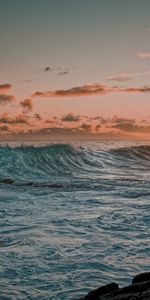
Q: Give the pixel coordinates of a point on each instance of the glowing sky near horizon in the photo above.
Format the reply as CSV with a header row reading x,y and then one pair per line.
x,y
54,45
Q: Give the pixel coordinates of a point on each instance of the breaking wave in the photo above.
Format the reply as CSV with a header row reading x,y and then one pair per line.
x,y
57,165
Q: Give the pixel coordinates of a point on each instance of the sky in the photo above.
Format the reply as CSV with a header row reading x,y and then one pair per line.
x,y
75,67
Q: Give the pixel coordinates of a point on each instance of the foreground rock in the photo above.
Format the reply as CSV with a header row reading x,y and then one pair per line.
x,y
138,290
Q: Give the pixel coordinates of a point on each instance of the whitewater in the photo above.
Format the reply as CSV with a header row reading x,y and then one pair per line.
x,y
72,217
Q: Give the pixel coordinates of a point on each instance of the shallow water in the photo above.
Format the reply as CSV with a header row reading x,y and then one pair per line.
x,y
75,217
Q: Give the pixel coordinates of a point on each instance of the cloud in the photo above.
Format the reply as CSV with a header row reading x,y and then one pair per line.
x,y
127,76
27,104
4,88
37,117
128,125
60,130
89,90
20,119
27,80
115,126
4,128
101,120
125,126
70,117
49,121
97,127
120,77
133,128
143,55
85,90
145,89
47,69
63,73
5,99
55,130
86,127
121,120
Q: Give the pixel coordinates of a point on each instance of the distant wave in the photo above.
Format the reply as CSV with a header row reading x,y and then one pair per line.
x,y
138,152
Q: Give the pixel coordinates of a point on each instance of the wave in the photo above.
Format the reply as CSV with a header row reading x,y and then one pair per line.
x,y
62,161
38,162
134,152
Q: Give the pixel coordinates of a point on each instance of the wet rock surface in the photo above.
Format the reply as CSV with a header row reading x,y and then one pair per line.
x,y
138,290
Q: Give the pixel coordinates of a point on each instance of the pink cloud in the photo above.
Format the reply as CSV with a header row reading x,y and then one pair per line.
x,y
127,76
120,77
143,55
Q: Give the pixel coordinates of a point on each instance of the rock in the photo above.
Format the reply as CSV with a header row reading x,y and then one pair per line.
x,y
7,181
138,290
141,277
106,289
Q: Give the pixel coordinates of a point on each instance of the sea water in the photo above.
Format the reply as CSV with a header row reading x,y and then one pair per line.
x,y
73,217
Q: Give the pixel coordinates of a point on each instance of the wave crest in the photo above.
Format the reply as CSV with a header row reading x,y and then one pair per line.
x,y
65,161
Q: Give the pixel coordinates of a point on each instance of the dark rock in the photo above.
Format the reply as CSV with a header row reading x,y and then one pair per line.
x,y
7,181
138,290
141,277
106,289
138,287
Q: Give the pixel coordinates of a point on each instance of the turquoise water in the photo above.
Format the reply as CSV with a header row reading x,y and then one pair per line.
x,y
73,218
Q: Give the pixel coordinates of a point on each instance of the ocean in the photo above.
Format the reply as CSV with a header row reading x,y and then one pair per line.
x,y
73,217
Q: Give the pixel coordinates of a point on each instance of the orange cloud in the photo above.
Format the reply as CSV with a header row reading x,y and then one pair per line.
x,y
130,127
121,120
5,99
85,90
37,117
27,104
4,128
20,119
86,127
98,127
70,117
89,90
4,88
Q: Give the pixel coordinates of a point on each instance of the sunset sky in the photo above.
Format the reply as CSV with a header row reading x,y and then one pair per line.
x,y
75,66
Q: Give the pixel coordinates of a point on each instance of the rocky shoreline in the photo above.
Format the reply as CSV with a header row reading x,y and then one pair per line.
x,y
138,290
